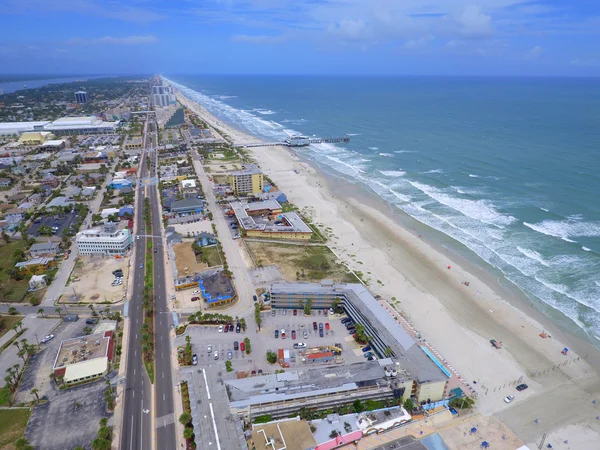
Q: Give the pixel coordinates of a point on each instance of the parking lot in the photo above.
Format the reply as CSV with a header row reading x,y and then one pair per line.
x,y
105,139
62,221
92,279
204,335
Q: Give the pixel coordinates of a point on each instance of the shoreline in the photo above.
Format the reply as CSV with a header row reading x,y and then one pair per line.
x,y
411,272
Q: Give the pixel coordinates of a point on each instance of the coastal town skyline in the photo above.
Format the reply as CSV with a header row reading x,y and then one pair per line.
x,y
443,37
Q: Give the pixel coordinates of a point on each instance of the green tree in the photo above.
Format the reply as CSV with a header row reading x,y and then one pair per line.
x,y
228,366
185,418
358,406
408,405
23,444
188,433
257,316
13,311
35,391
58,311
104,433
271,357
462,403
247,348
308,306
5,236
101,444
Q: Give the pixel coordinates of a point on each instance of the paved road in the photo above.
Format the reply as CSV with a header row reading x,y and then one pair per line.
x,y
137,426
165,409
242,279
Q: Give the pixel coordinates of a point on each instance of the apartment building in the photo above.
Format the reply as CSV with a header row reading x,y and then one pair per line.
x,y
247,181
107,240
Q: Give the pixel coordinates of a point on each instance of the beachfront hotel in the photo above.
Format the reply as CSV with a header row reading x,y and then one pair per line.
x,y
250,180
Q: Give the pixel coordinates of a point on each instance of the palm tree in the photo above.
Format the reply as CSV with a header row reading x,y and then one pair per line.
x,y
58,311
188,433
41,312
23,444
101,444
16,344
185,418
35,391
21,354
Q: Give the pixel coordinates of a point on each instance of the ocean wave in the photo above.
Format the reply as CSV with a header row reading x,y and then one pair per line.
x,y
586,249
383,190
392,173
481,210
353,134
373,148
389,155
566,229
225,97
434,171
266,112
404,151
544,209
532,254
473,175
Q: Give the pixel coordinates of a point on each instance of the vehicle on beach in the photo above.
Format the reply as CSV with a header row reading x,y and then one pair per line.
x,y
522,387
496,344
509,398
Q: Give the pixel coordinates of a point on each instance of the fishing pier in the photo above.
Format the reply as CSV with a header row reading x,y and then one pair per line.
x,y
300,141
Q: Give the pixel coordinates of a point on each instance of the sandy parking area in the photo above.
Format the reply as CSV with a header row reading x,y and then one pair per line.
x,y
203,226
185,260
488,428
94,277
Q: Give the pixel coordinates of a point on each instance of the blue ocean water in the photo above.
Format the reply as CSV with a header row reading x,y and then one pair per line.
x,y
8,87
508,167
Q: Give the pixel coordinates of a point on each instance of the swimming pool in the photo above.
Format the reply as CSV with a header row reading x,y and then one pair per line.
x,y
437,363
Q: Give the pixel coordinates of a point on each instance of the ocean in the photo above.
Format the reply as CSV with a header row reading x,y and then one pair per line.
x,y
508,167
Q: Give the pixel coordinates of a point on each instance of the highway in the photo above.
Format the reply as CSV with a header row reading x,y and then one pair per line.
x,y
137,426
165,420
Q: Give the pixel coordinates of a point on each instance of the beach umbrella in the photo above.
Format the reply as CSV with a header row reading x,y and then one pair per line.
x,y
485,444
473,430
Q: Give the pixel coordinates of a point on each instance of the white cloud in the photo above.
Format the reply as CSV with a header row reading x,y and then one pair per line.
x,y
419,43
111,40
351,30
535,52
260,39
474,23
586,62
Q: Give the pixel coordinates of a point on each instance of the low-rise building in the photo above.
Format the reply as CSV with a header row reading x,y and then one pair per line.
x,y
35,137
36,266
37,282
5,182
279,226
84,358
42,249
80,125
386,336
54,144
120,182
57,202
134,143
107,240
187,205
14,216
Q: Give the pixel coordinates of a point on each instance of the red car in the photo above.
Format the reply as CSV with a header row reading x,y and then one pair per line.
x,y
327,325
293,334
242,347
295,312
226,329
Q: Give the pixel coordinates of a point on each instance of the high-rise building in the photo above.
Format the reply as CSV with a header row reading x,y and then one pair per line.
x,y
247,181
81,97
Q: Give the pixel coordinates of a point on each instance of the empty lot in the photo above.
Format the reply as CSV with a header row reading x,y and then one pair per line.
x,y
94,279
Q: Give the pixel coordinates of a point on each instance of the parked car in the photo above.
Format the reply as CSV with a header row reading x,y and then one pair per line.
x,y
236,345
196,293
320,325
298,345
242,347
229,354
522,387
282,334
226,328
231,327
370,358
327,325
216,355
194,360
305,334
321,332
209,348
91,321
352,331
509,398
220,328
366,355
254,298
330,310
238,328
293,334
253,372
276,334
155,250
284,312
295,312
47,338
366,349
315,327
195,299
273,312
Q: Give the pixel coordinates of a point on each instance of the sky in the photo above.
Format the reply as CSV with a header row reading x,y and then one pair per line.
x,y
334,37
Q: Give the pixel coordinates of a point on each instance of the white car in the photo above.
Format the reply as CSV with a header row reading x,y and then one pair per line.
x,y
195,292
298,345
509,399
220,328
47,338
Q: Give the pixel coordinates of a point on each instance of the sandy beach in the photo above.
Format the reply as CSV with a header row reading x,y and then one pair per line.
x,y
455,307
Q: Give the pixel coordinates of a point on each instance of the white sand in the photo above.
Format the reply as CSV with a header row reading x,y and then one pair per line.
x,y
456,320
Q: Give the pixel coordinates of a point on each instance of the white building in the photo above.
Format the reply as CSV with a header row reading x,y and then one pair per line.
x,y
81,97
81,125
106,240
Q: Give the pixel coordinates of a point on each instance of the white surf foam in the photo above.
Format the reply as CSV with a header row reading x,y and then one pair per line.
x,y
586,249
373,148
544,209
532,254
566,229
481,210
266,112
473,175
435,171
353,134
404,151
225,97
389,155
392,173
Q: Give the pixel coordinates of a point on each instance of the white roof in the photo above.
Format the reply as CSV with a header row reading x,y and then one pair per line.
x,y
188,183
84,369
54,142
18,127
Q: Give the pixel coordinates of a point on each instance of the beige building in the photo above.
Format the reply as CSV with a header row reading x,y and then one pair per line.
x,y
84,358
35,137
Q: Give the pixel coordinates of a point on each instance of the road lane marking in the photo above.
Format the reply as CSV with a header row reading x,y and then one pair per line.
x,y
212,413
206,383
142,426
131,438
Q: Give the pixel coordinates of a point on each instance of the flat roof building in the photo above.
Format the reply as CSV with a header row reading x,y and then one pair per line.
x,y
388,337
286,226
84,358
107,241
81,125
250,180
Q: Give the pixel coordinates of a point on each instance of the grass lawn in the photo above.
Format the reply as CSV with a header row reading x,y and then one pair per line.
x,y
297,262
211,256
11,290
4,396
7,322
12,424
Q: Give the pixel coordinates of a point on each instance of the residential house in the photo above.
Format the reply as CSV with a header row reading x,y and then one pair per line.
x,y
26,206
71,192
37,282
5,182
204,239
16,198
126,211
36,198
59,202
14,216
89,191
36,266
109,212
48,249
124,190
50,180
120,182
